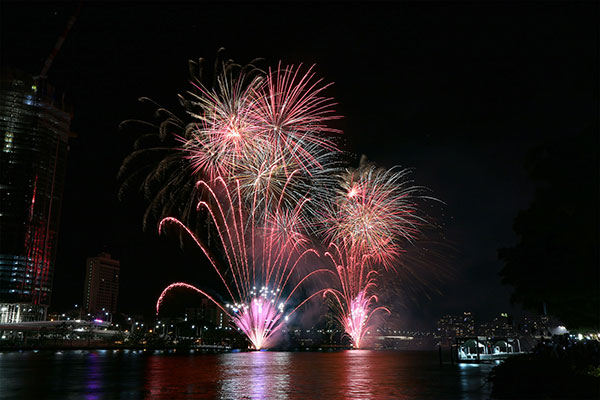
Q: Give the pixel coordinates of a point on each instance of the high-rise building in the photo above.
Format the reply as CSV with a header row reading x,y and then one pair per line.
x,y
34,127
101,289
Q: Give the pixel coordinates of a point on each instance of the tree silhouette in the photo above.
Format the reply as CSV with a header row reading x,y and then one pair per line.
x,y
555,264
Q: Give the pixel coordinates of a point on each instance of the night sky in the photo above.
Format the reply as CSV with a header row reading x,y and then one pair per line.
x,y
458,92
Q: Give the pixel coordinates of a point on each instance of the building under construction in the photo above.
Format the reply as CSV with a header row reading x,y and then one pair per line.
x,y
35,127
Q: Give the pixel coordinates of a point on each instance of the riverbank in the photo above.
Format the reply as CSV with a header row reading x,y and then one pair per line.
x,y
557,369
182,346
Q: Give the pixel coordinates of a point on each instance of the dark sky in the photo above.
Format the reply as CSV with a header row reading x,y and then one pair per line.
x,y
459,92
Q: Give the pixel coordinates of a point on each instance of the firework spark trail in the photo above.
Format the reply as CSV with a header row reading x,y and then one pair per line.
x,y
224,137
269,133
291,111
372,213
355,301
258,278
184,285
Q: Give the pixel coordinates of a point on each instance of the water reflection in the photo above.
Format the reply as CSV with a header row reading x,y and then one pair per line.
x,y
474,379
93,381
256,375
69,375
359,381
173,376
359,374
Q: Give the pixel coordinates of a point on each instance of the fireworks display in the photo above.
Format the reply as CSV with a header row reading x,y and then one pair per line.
x,y
223,136
268,174
269,133
373,213
280,118
261,264
355,301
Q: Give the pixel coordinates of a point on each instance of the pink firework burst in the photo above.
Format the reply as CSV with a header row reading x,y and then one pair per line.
x,y
269,133
292,111
279,118
223,136
372,214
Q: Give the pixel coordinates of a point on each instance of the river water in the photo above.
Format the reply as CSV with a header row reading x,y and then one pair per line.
x,y
124,374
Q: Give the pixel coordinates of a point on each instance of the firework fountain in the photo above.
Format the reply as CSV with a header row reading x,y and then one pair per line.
x,y
261,264
355,301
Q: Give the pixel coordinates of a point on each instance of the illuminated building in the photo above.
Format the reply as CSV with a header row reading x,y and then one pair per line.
x,y
101,288
468,324
34,132
499,326
451,326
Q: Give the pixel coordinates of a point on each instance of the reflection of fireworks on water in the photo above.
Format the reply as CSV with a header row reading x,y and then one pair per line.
x,y
254,260
354,303
372,212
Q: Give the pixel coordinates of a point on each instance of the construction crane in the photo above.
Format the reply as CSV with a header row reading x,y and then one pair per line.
x,y
58,45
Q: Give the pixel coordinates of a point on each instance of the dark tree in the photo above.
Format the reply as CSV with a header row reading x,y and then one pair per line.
x,y
555,264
